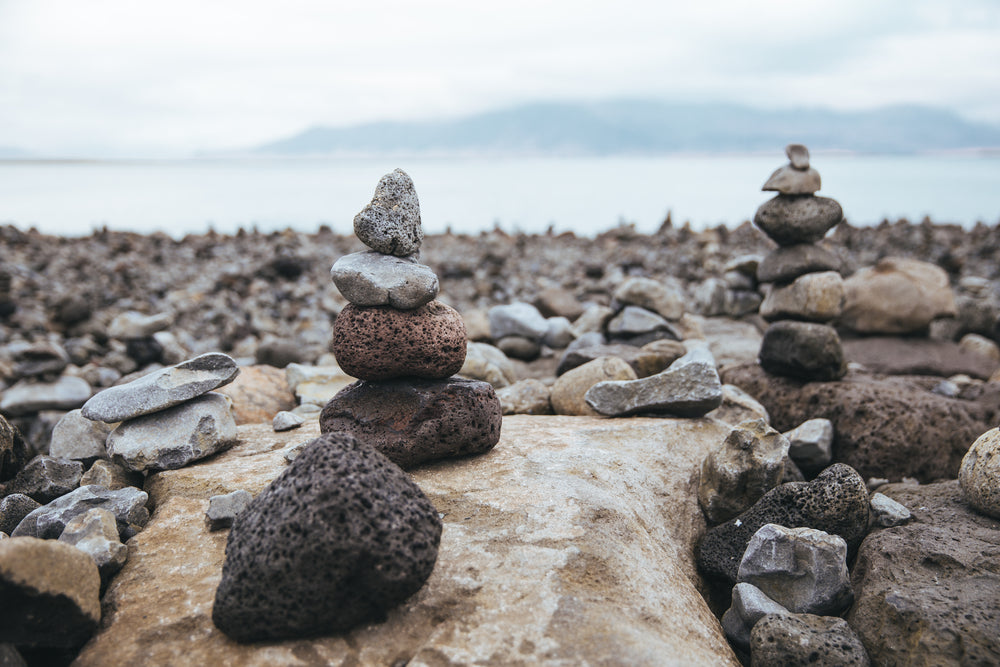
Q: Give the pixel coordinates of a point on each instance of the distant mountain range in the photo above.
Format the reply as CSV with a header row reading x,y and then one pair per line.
x,y
650,127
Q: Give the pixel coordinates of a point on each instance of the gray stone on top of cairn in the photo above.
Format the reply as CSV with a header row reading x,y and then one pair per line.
x,y
390,224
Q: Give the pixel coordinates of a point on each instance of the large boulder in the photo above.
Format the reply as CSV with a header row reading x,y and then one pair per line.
x,y
896,296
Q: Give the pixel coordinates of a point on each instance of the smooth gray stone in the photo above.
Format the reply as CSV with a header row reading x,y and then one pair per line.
x,y
45,478
798,156
792,219
634,321
374,279
76,437
810,444
390,224
131,325
96,534
28,396
520,347
560,333
689,387
802,569
517,319
223,509
48,521
749,605
887,513
786,263
790,181
286,421
163,389
174,437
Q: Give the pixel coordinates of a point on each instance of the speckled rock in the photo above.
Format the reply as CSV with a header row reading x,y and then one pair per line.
x,y
786,263
413,421
13,508
390,224
525,397
381,343
980,474
287,574
897,295
792,219
802,350
76,437
814,297
48,521
45,478
805,639
13,451
569,391
376,279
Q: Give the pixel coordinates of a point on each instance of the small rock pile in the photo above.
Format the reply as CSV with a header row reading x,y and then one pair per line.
x,y
806,290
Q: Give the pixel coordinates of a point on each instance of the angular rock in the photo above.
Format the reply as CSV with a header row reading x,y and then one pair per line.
x,y
792,219
287,574
525,397
416,421
390,224
835,502
131,325
517,319
96,534
375,279
174,437
791,181
40,359
634,321
48,521
381,343
886,512
645,361
690,387
50,592
487,363
814,297
111,476
29,396
897,295
805,639
741,469
738,406
223,510
803,350
163,389
651,295
786,263
13,508
568,393
802,569
259,392
76,437
45,478
286,421
749,605
810,443
13,451
979,474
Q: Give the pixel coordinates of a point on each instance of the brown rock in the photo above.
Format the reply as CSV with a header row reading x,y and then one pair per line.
x,y
568,392
381,343
558,302
259,392
897,295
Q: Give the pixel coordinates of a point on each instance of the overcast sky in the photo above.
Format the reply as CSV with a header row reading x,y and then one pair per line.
x,y
132,78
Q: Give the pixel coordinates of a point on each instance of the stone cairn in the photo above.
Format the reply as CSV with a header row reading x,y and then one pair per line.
x,y
806,291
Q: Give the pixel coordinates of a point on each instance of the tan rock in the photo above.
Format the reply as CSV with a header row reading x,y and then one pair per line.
x,y
980,345
651,295
979,475
572,542
525,397
567,396
489,364
897,295
814,297
558,302
477,324
258,393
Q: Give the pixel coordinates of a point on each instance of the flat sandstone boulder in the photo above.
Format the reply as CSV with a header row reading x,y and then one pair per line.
x,y
571,542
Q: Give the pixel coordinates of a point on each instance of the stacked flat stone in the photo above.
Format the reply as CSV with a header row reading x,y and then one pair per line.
x,y
805,290
403,344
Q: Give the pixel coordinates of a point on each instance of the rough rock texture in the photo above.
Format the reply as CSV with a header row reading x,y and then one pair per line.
x,y
569,390
381,343
897,355
390,224
810,444
415,421
96,534
749,605
259,392
835,502
48,521
792,219
926,592
883,427
110,475
13,509
897,295
162,389
814,297
794,640
785,264
45,478
13,451
979,474
802,350
337,540
570,543
374,279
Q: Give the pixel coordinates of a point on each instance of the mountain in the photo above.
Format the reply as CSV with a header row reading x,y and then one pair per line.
x,y
650,127
11,153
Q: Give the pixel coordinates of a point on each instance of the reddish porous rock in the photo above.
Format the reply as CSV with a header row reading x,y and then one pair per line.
x,y
382,343
415,421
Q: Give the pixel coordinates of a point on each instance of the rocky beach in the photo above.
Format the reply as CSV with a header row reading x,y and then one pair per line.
x,y
190,428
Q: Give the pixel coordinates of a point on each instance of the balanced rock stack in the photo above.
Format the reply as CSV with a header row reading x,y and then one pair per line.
x,y
403,344
806,291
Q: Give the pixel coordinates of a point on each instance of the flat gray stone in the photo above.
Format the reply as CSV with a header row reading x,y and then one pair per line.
x,y
791,181
517,319
132,325
76,437
810,444
28,396
749,605
223,509
376,279
390,224
163,389
48,521
635,320
38,359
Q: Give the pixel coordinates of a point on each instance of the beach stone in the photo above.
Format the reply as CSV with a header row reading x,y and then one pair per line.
x,y
594,318
96,534
749,605
980,345
792,219
645,361
690,387
413,421
519,347
375,279
802,569
45,478
110,475
279,352
477,325
162,389
259,392
51,593
381,343
896,296
798,156
568,393
786,263
487,363
558,302
810,443
805,639
979,474
791,181
390,224
559,334
814,297
517,319
316,384
30,396
886,512
13,451
804,350
634,321
48,521
926,592
741,469
13,508
650,295
738,406
44,358
171,350
286,421
836,502
525,397
223,509
132,325
287,575
76,437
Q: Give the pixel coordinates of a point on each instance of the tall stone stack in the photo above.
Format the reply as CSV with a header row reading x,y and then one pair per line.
x,y
403,344
804,289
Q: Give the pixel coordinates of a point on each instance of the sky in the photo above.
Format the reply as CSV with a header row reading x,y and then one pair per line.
x,y
120,78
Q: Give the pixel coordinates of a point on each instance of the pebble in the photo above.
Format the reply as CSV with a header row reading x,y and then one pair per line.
x,y
223,509
162,389
489,364
558,302
811,443
793,219
635,321
690,387
804,350
645,361
278,352
375,279
174,437
13,508
525,397
76,437
132,325
520,347
738,406
651,295
96,534
29,396
45,478
517,319
886,512
390,224
316,384
568,393
981,345
377,546
786,263
979,475
791,181
48,521
813,297
13,451
805,639
286,421
749,605
798,156
594,318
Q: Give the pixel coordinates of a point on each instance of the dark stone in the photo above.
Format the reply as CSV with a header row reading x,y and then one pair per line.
x,y
416,421
71,309
883,427
279,353
802,350
45,478
48,521
336,540
144,351
835,502
793,219
805,639
13,509
928,592
785,264
42,359
899,355
13,451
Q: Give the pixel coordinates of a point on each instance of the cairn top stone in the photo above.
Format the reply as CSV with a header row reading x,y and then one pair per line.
x,y
798,155
390,224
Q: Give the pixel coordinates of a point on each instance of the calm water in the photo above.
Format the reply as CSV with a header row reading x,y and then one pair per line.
x,y
586,195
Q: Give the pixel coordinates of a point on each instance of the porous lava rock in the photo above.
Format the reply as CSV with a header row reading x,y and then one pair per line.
x,y
806,639
390,224
339,538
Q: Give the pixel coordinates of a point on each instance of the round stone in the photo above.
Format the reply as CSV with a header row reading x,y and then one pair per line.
x,y
803,350
791,219
785,264
979,475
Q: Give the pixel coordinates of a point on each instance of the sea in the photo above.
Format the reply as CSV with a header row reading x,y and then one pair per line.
x,y
472,194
